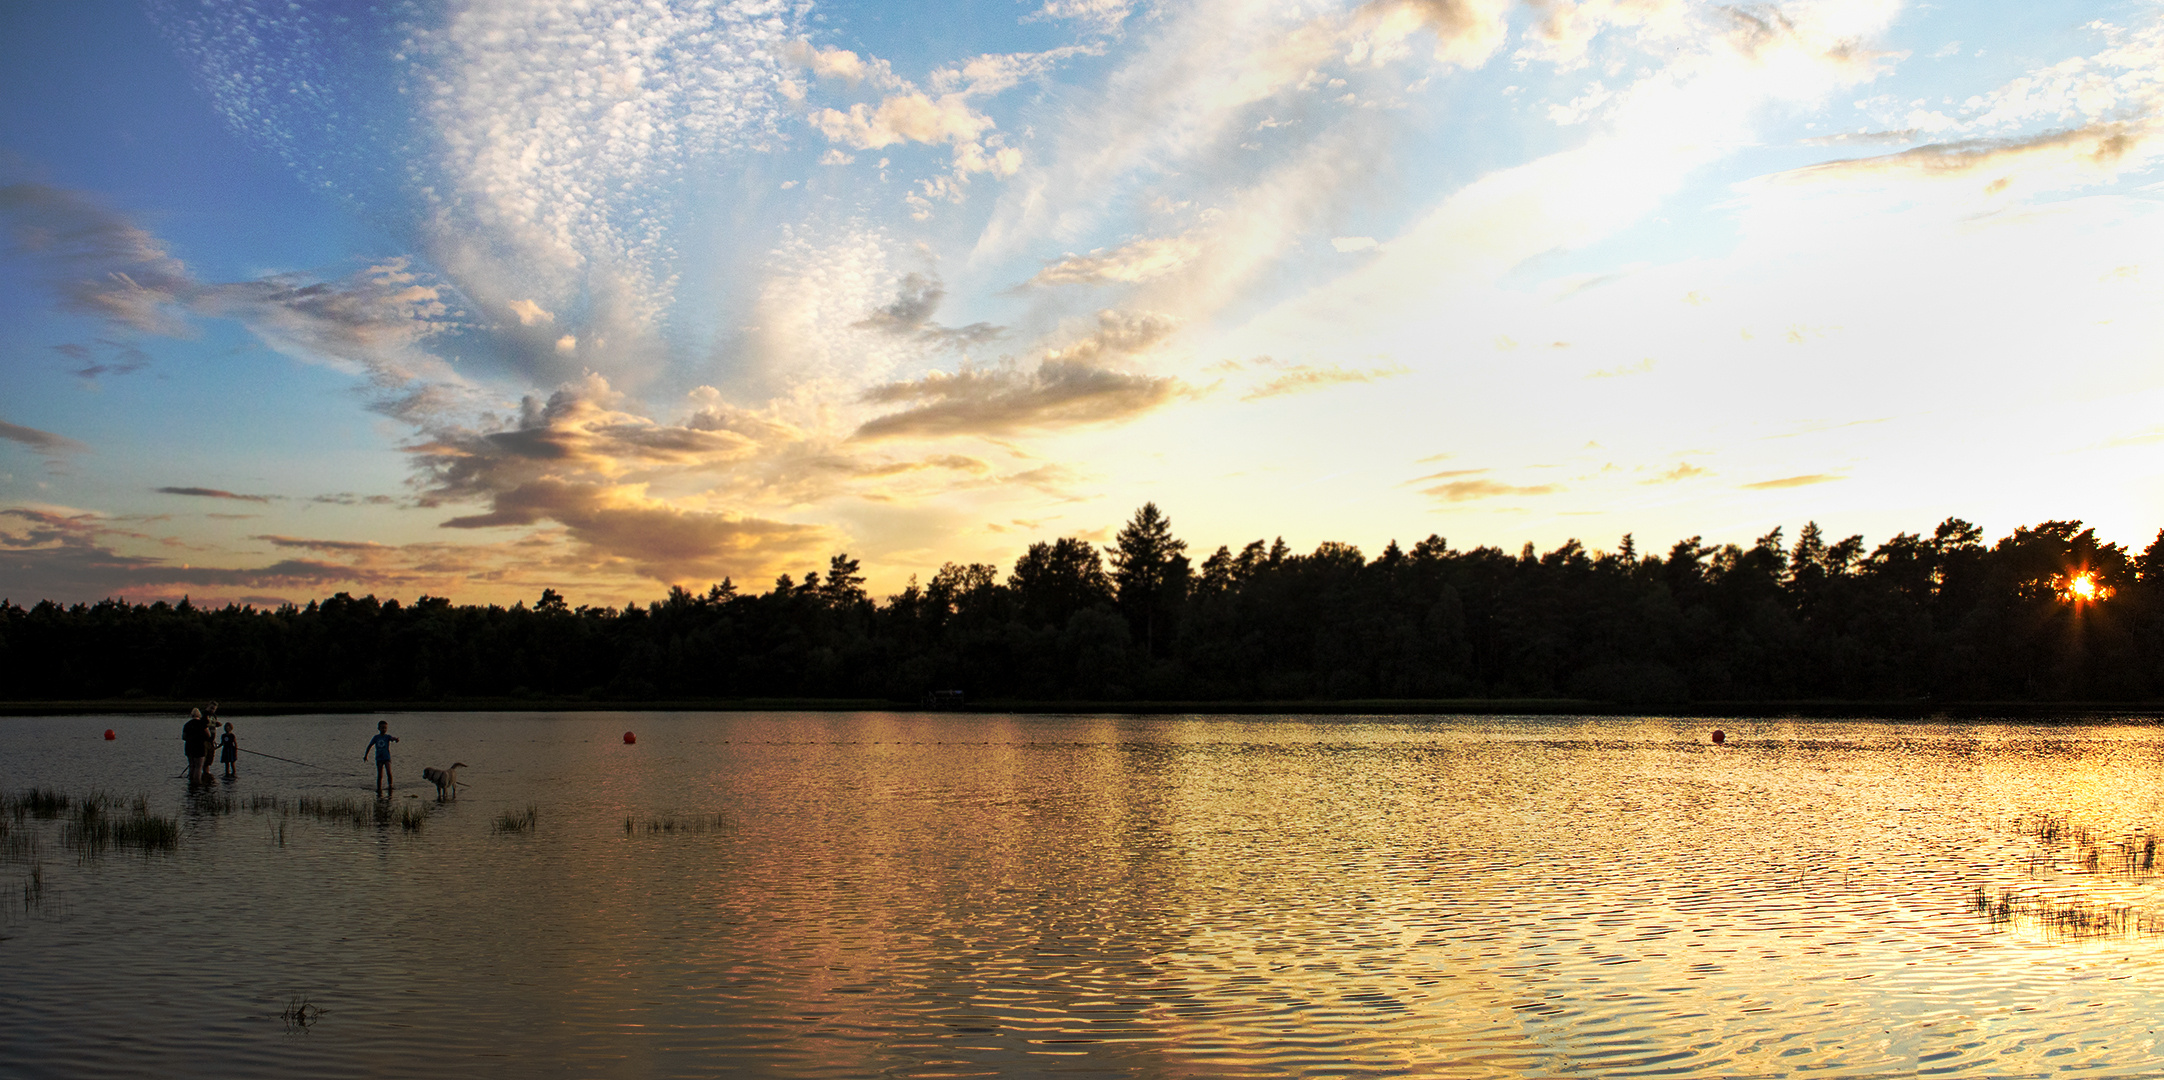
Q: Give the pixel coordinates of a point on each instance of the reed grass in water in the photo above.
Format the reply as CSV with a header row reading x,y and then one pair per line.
x,y
42,803
2064,917
670,823
511,821
99,825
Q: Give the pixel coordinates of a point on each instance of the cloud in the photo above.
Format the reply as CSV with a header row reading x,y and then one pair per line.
x,y
371,322
910,314
1135,261
2090,154
1684,470
1302,379
1070,386
1060,393
2081,121
563,132
1467,32
99,263
1468,490
1445,474
338,546
118,357
1565,28
654,539
834,63
1622,371
911,117
1348,244
211,493
1805,480
1100,16
582,460
45,442
942,116
65,556
1186,95
347,498
530,313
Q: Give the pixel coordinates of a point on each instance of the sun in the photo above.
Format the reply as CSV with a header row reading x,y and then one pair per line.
x,y
2083,588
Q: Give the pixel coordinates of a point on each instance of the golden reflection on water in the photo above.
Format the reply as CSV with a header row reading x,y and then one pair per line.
x,y
966,895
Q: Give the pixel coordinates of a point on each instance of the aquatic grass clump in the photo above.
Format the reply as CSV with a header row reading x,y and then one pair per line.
x,y
334,810
2134,856
34,888
42,803
300,1013
22,847
670,823
511,821
411,817
98,827
2064,917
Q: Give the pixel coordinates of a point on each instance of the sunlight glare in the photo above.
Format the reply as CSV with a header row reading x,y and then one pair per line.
x,y
2082,588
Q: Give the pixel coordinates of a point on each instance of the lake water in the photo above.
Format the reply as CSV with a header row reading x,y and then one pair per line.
x,y
957,895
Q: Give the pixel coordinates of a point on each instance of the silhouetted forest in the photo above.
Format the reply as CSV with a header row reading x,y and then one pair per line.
x,y
2047,613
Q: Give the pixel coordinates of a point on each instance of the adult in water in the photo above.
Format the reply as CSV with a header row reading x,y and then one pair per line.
x,y
195,737
381,744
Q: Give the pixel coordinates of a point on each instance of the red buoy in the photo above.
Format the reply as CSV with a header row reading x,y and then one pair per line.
x,y
629,738
109,736
1719,736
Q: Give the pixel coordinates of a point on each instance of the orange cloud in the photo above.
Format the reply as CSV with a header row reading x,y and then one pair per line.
x,y
1805,480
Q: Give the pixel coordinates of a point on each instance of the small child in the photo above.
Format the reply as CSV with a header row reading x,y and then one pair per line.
x,y
228,750
381,744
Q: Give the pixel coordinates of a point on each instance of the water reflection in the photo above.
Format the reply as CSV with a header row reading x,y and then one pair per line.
x,y
962,895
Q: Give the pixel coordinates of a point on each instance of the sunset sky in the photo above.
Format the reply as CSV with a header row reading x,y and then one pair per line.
x,y
474,299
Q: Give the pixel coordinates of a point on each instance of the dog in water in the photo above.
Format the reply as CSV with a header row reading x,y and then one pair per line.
x,y
446,780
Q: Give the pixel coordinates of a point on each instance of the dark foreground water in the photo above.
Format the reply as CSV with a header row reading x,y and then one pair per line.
x,y
856,895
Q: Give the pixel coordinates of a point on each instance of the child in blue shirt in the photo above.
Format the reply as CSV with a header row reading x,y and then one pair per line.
x,y
381,744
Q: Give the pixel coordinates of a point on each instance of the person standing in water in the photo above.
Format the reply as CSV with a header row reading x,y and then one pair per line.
x,y
228,750
381,744
195,737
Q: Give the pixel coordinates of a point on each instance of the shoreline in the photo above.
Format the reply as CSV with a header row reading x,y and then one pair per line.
x,y
1804,709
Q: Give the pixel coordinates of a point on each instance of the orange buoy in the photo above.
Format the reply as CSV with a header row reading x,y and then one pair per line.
x,y
1719,736
109,736
629,738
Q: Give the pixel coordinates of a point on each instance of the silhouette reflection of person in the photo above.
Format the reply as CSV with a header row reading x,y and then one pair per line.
x,y
381,744
228,750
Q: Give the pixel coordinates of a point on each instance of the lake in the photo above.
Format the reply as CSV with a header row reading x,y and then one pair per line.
x,y
963,895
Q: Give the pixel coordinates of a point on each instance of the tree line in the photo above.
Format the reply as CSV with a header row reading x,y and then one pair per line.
x,y
2047,613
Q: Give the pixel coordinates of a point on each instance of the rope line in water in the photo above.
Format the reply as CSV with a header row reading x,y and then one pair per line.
x,y
287,760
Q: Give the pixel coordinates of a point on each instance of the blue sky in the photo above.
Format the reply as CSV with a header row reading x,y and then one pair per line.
x,y
478,298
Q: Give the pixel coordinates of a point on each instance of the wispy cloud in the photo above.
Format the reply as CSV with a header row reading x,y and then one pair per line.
x,y
100,264
1302,379
1806,480
211,493
1071,386
1683,470
96,261
67,555
45,442
916,298
1136,261
104,356
1468,490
